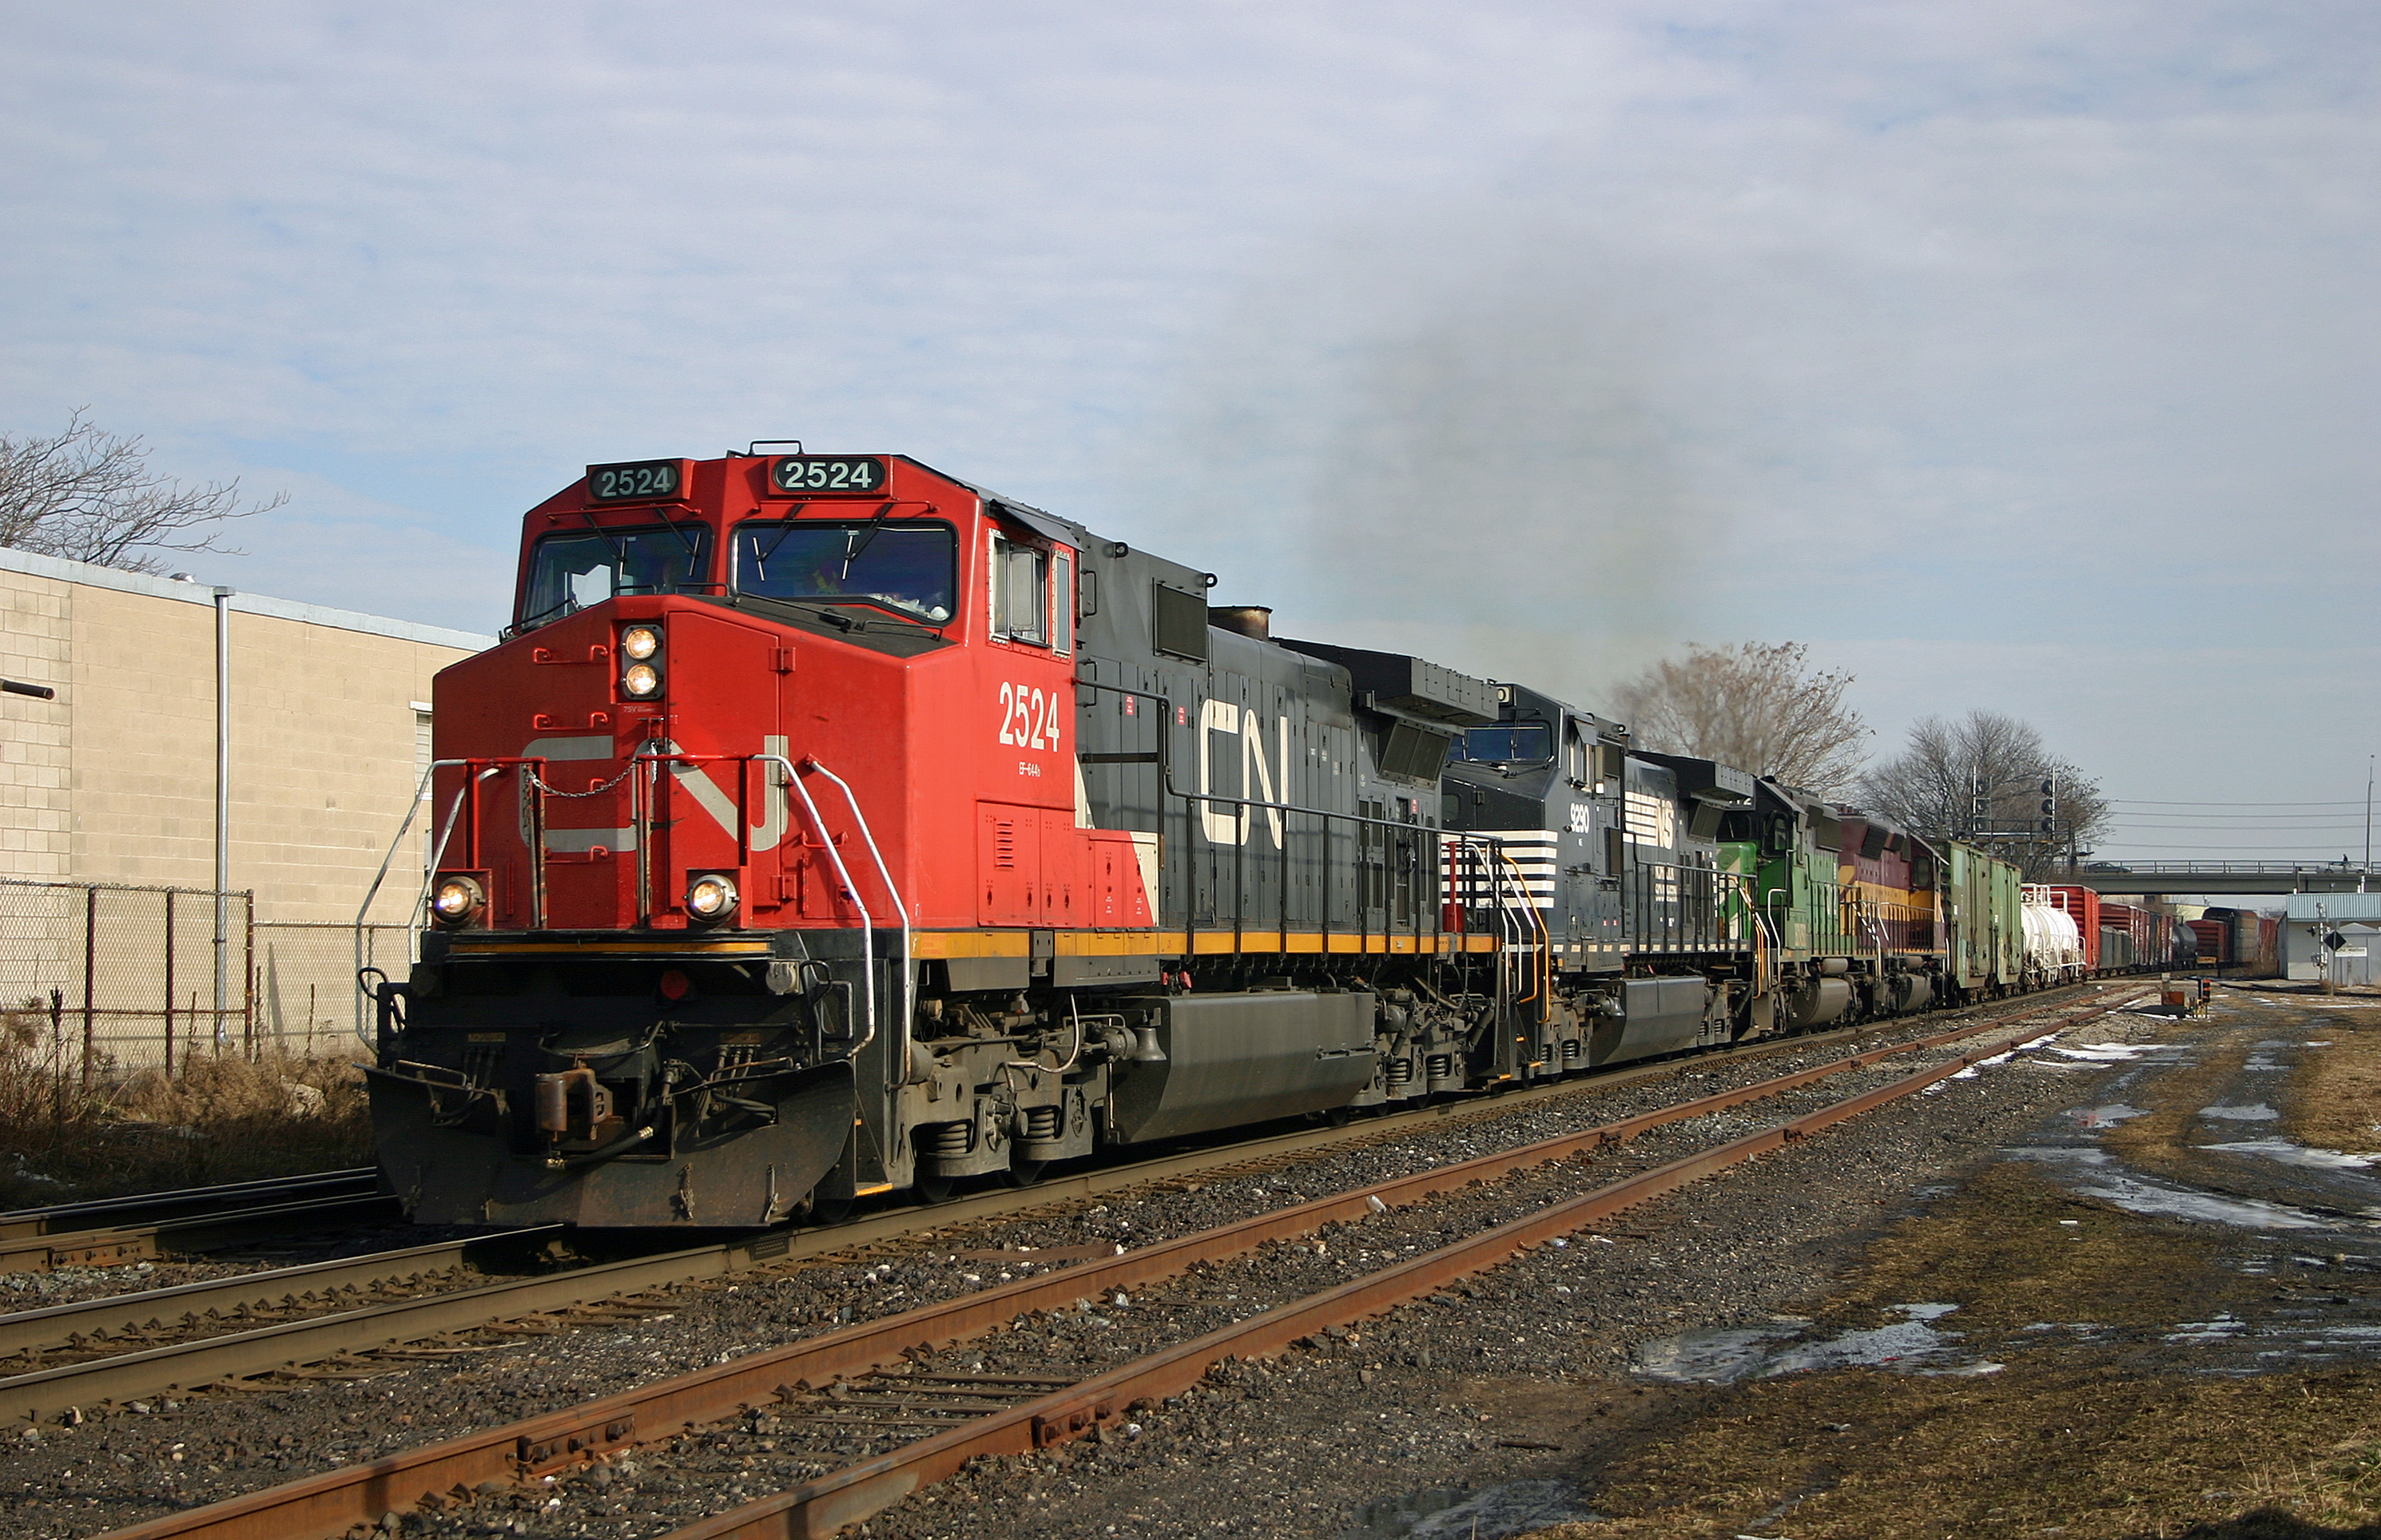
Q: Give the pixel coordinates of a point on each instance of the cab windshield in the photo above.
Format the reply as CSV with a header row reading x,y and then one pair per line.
x,y
1519,743
909,568
570,572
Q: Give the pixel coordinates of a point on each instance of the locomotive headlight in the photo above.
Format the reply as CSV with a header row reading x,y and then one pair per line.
x,y
639,642
641,680
457,899
711,896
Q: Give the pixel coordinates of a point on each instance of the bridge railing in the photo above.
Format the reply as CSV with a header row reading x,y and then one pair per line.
x,y
2217,869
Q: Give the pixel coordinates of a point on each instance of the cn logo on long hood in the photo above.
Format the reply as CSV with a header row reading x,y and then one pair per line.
x,y
1223,823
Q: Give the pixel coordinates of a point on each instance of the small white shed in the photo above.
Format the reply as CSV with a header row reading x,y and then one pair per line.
x,y
2312,919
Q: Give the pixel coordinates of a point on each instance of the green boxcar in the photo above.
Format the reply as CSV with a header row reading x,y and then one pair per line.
x,y
1983,899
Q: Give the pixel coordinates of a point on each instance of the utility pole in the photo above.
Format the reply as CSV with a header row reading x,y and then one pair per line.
x,y
223,598
2364,876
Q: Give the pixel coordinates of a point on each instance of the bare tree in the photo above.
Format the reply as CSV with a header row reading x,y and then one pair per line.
x,y
1983,779
89,496
1755,705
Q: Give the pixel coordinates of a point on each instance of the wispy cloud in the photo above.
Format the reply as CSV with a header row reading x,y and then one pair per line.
x,y
1552,334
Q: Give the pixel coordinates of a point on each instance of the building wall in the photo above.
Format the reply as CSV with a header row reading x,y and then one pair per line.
x,y
2306,918
114,782
36,736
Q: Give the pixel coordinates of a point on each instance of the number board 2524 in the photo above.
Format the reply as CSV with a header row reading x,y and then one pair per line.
x,y
637,481
816,475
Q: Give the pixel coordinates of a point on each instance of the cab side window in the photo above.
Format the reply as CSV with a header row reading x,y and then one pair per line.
x,y
1020,592
1062,604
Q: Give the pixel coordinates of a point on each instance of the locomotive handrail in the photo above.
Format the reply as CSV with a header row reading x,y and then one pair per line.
x,y
835,857
654,755
1765,936
429,873
1681,907
909,975
1541,979
1163,757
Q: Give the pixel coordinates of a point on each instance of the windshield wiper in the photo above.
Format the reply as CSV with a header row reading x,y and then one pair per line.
x,y
760,557
859,539
894,610
564,607
611,537
684,538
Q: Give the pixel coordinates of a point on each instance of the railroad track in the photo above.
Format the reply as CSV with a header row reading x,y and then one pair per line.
x,y
146,1207
99,1328
171,1341
112,1231
882,1374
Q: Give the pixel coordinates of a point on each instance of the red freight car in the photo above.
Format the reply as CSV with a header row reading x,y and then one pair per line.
x,y
2248,939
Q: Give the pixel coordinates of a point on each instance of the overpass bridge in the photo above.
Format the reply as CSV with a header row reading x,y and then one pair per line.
x,y
2218,877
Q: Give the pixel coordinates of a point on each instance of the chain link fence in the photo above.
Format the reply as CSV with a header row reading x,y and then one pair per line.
x,y
121,979
306,1002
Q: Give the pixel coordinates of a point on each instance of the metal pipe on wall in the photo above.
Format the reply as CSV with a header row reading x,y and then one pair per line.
x,y
223,806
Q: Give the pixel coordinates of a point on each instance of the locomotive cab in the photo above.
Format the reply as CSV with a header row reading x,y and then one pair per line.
x,y
682,821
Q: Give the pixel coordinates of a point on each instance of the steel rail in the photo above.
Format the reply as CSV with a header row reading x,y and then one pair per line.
x,y
329,1503
52,1392
57,1326
825,1507
142,1207
49,1393
237,1355
144,1243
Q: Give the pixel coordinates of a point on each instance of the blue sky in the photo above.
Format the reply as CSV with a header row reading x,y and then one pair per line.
x,y
2020,356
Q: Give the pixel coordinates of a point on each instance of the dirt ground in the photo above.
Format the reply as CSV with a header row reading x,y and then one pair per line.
x,y
2166,1321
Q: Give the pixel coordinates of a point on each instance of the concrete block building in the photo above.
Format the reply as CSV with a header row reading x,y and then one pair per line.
x,y
115,780
111,788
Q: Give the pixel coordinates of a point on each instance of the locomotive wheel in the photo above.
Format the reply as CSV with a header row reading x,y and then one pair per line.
x,y
1023,1173
934,1188
831,1210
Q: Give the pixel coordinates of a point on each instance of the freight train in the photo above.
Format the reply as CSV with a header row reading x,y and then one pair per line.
x,y
823,825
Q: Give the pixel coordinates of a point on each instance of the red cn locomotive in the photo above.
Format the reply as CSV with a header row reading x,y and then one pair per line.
x,y
770,870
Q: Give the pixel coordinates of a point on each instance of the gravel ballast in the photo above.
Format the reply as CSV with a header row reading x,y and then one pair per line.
x,y
1758,1236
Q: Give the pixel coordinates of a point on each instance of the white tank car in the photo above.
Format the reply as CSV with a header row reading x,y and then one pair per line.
x,y
2053,947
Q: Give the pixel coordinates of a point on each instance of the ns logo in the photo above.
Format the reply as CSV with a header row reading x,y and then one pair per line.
x,y
1242,732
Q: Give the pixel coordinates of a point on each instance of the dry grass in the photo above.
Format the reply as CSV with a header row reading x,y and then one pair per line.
x,y
219,1120
2091,1453
2119,1439
2335,1094
2154,1142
